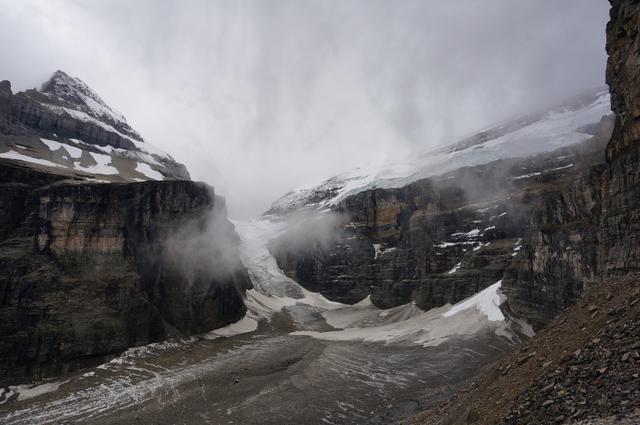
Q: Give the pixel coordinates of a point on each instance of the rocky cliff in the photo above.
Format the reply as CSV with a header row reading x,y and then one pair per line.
x,y
589,230
441,239
90,269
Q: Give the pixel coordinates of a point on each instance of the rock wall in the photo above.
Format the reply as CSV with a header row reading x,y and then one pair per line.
x,y
620,188
435,241
589,230
88,270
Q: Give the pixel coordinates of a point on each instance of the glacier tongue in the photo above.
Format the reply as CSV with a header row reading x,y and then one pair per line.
x,y
406,324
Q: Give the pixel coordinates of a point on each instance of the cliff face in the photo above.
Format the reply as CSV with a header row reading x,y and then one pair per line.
x,y
89,269
623,75
589,230
437,240
620,188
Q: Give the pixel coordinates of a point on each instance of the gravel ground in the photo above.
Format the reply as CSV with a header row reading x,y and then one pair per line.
x,y
584,368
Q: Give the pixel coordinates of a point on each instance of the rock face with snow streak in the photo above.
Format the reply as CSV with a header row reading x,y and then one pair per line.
x,y
90,269
443,238
68,126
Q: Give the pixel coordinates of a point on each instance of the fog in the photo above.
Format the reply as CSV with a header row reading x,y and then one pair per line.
x,y
260,97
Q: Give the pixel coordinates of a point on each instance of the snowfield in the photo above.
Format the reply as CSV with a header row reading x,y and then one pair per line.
x,y
563,126
21,157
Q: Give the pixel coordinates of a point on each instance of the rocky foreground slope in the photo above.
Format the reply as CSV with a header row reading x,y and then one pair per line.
x,y
89,268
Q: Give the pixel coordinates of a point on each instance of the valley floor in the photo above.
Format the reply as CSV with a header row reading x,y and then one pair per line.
x,y
267,377
265,371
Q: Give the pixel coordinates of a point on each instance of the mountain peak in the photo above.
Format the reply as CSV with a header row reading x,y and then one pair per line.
x,y
67,127
71,90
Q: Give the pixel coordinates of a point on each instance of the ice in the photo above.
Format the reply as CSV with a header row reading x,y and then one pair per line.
x,y
273,290
520,138
434,327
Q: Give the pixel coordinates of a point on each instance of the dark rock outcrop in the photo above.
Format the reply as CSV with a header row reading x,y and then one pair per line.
x,y
88,270
5,96
589,230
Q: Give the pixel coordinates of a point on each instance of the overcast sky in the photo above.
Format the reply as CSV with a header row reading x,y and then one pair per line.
x,y
260,97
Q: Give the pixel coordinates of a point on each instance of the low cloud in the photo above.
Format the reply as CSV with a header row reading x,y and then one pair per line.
x,y
257,97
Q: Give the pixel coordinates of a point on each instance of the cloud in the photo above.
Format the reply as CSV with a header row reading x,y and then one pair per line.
x,y
259,97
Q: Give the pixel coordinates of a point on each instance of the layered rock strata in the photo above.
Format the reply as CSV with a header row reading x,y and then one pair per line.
x,y
89,269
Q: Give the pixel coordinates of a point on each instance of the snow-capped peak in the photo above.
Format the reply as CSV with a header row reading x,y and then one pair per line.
x,y
74,91
66,125
66,95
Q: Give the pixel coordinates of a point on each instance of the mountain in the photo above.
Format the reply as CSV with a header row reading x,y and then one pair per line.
x,y
65,126
569,123
105,243
448,223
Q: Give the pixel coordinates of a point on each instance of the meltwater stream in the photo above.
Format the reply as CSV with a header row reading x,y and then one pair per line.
x,y
295,358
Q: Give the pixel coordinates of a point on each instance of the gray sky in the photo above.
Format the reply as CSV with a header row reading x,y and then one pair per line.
x,y
260,97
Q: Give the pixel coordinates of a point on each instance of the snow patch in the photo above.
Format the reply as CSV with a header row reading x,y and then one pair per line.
x,y
29,391
20,157
455,268
145,169
526,176
73,151
102,166
487,301
562,168
242,326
